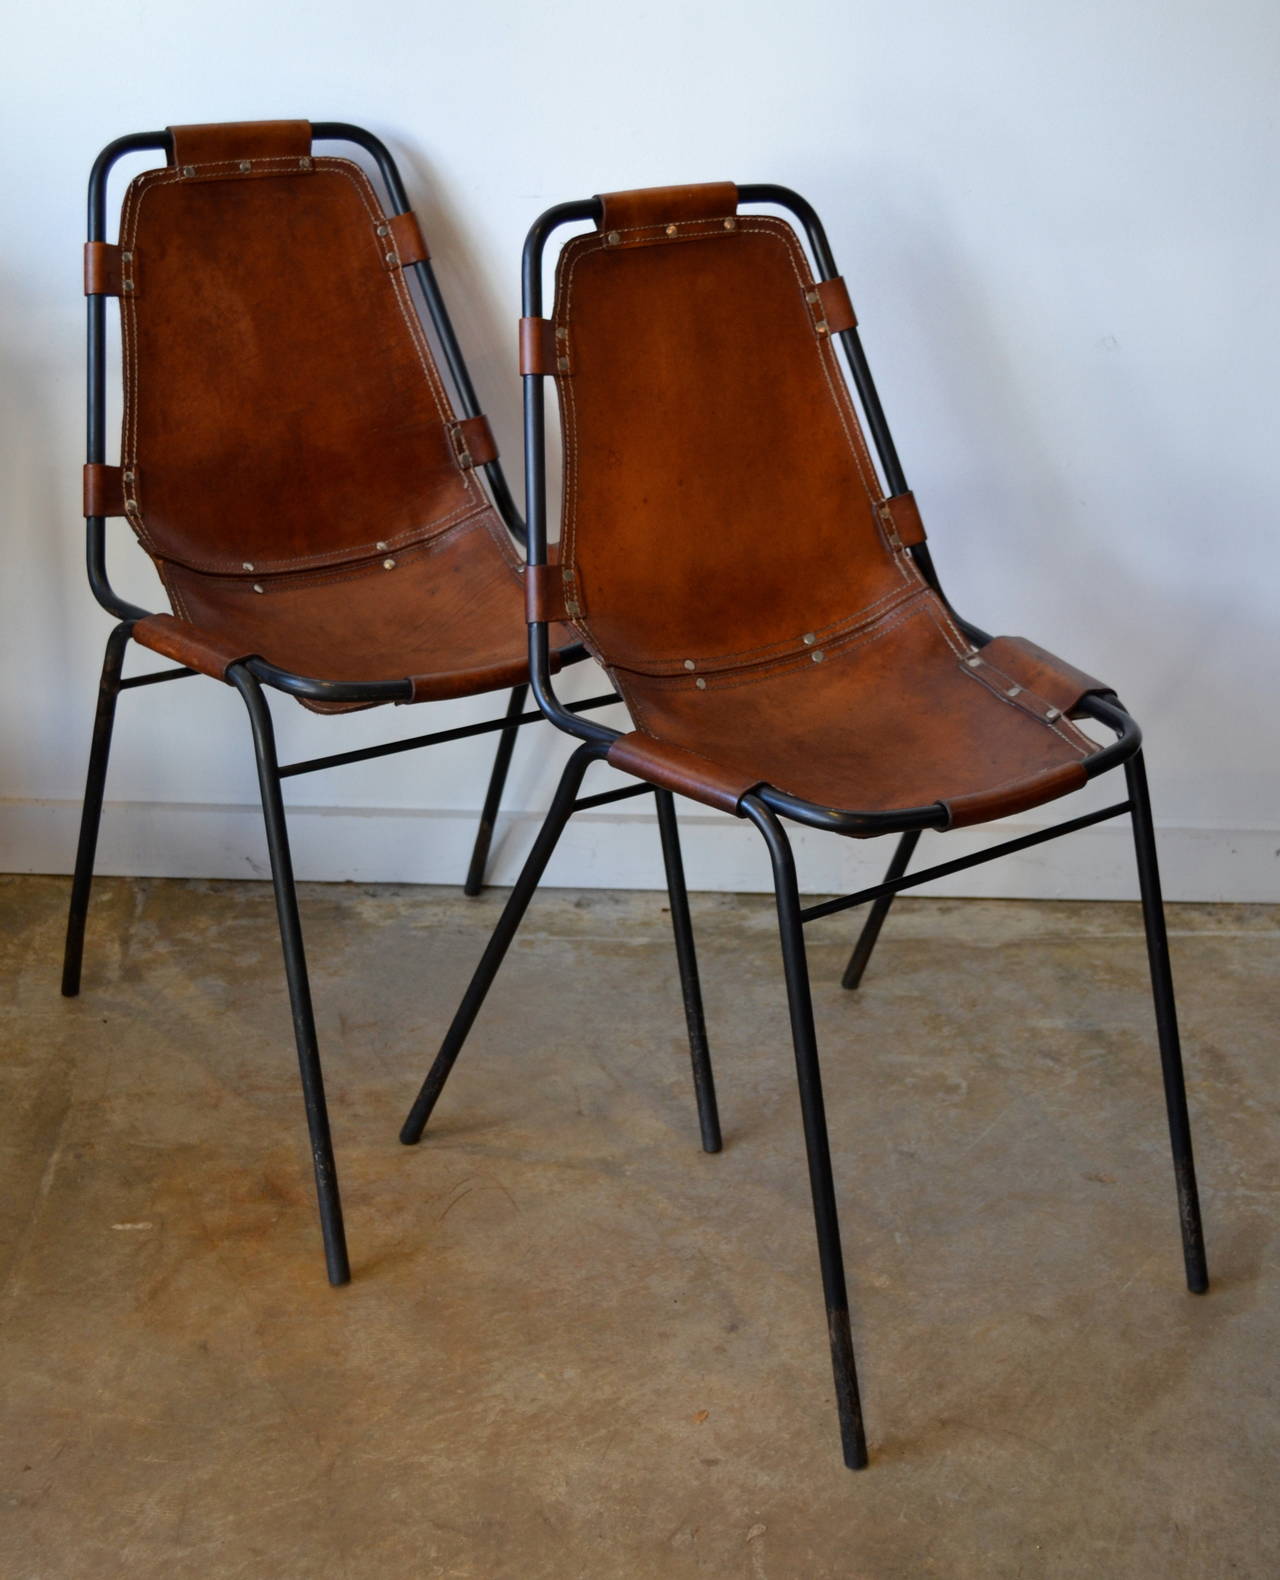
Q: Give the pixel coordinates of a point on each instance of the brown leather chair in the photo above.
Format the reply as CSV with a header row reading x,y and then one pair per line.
x,y
770,612
322,518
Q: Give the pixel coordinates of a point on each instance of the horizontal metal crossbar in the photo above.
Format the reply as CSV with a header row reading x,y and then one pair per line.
x,y
155,678
463,731
848,901
606,796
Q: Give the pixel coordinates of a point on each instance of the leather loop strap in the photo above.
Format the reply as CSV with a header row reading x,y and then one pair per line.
x,y
901,517
187,644
108,271
666,206
832,309
473,442
103,490
544,601
408,243
538,343
1044,674
985,806
229,143
674,768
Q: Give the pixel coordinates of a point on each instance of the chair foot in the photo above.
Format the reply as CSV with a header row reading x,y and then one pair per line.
x,y
879,910
853,1438
474,884
91,812
704,1084
1175,1092
500,941
328,1197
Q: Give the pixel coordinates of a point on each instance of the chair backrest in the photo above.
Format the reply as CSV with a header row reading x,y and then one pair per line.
x,y
721,509
282,410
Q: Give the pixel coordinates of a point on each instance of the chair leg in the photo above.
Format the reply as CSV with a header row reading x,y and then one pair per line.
x,y
817,1146
496,949
295,968
91,813
493,796
879,910
1175,1092
704,1084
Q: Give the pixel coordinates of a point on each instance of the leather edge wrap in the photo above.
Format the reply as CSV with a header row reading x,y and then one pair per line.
x,y
834,309
538,347
103,490
229,142
186,644
473,442
544,595
104,269
650,206
1059,683
409,244
674,768
902,520
985,806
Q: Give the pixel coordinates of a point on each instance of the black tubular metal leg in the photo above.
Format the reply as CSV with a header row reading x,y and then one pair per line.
x,y
817,1146
704,1085
91,813
879,910
295,968
499,943
1175,1092
493,796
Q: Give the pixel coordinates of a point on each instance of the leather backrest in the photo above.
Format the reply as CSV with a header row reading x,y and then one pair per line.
x,y
282,410
720,505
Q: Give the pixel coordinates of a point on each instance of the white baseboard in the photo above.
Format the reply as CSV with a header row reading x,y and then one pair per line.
x,y
619,849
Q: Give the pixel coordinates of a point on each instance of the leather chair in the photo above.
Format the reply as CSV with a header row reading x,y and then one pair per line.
x,y
324,519
769,610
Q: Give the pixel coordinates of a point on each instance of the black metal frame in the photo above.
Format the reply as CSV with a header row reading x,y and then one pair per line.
x,y
252,674
765,806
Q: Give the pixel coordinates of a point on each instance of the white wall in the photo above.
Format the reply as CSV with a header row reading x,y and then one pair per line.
x,y
1060,229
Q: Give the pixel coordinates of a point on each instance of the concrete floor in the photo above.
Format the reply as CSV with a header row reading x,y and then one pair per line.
x,y
575,1345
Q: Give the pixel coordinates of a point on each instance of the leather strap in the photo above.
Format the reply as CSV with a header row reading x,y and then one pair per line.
x,y
230,143
408,245
901,517
103,490
108,271
186,644
544,599
538,342
1062,685
473,442
666,206
985,806
674,768
832,309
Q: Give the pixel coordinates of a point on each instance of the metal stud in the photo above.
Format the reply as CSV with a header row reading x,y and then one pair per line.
x,y
973,660
562,364
612,239
126,257
246,166
388,565
304,163
247,565
690,664
391,257
808,639
818,656
821,328
188,170
671,230
1053,713
257,587
562,333
1013,691
731,224
126,285
700,683
131,504
384,230
380,546
128,477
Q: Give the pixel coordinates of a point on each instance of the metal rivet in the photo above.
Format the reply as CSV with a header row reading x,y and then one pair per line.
x,y
700,683
818,656
245,165
731,224
388,565
384,230
1013,691
689,664
821,328
1054,713
808,639
257,586
671,230
562,364
811,297
131,504
562,333
126,285
381,547
612,239
128,477
247,564
126,257
973,659
391,257
304,163
188,170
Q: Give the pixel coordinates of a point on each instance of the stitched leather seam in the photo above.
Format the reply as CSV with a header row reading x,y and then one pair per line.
x,y
1035,718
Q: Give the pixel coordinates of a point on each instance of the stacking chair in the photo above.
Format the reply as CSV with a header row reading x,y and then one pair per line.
x,y
770,612
324,520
